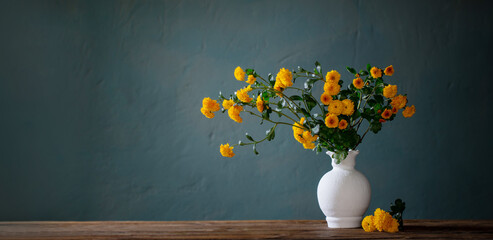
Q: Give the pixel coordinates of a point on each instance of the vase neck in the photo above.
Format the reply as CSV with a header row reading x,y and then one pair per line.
x,y
348,163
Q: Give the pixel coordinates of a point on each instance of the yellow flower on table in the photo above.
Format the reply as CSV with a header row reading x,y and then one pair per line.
x,y
399,101
331,121
390,91
333,76
367,224
239,74
226,150
376,72
389,70
242,94
409,111
358,83
348,107
251,79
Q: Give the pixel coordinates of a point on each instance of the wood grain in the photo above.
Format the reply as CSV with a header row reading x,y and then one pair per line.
x,y
283,229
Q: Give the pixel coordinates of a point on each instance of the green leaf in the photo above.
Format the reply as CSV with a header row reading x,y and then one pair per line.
x,y
351,70
271,133
307,115
372,102
255,149
241,143
249,137
310,101
379,99
368,67
249,71
318,68
363,73
296,98
375,126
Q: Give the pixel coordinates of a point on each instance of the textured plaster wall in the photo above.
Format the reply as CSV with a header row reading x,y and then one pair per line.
x,y
100,120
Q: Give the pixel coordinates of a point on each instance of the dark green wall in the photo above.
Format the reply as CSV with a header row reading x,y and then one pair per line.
x,y
100,120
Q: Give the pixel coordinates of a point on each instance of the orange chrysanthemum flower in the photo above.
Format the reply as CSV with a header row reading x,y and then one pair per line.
x,y
325,98
409,111
387,113
343,124
390,91
389,70
332,88
376,72
331,121
358,83
399,101
333,76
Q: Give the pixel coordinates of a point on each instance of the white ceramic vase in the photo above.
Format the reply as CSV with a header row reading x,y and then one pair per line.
x,y
344,193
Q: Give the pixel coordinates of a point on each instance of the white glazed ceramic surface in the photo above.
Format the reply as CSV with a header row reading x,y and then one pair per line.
x,y
344,194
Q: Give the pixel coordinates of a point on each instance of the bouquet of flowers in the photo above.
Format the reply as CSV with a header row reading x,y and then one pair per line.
x,y
334,123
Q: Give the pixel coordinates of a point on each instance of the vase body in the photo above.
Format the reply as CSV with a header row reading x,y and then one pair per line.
x,y
344,193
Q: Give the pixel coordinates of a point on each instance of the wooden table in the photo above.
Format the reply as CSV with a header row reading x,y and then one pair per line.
x,y
284,229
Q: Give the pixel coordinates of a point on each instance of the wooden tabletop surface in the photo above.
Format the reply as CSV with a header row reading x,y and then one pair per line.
x,y
282,229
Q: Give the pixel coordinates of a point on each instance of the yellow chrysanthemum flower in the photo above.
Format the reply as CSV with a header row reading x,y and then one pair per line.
x,y
387,113
391,226
332,88
343,124
399,101
367,224
389,70
260,103
234,113
207,113
390,91
376,72
331,121
336,107
381,219
242,94
409,111
358,83
226,150
227,103
308,140
348,107
325,98
251,79
279,88
298,130
239,74
285,78
333,76
210,104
